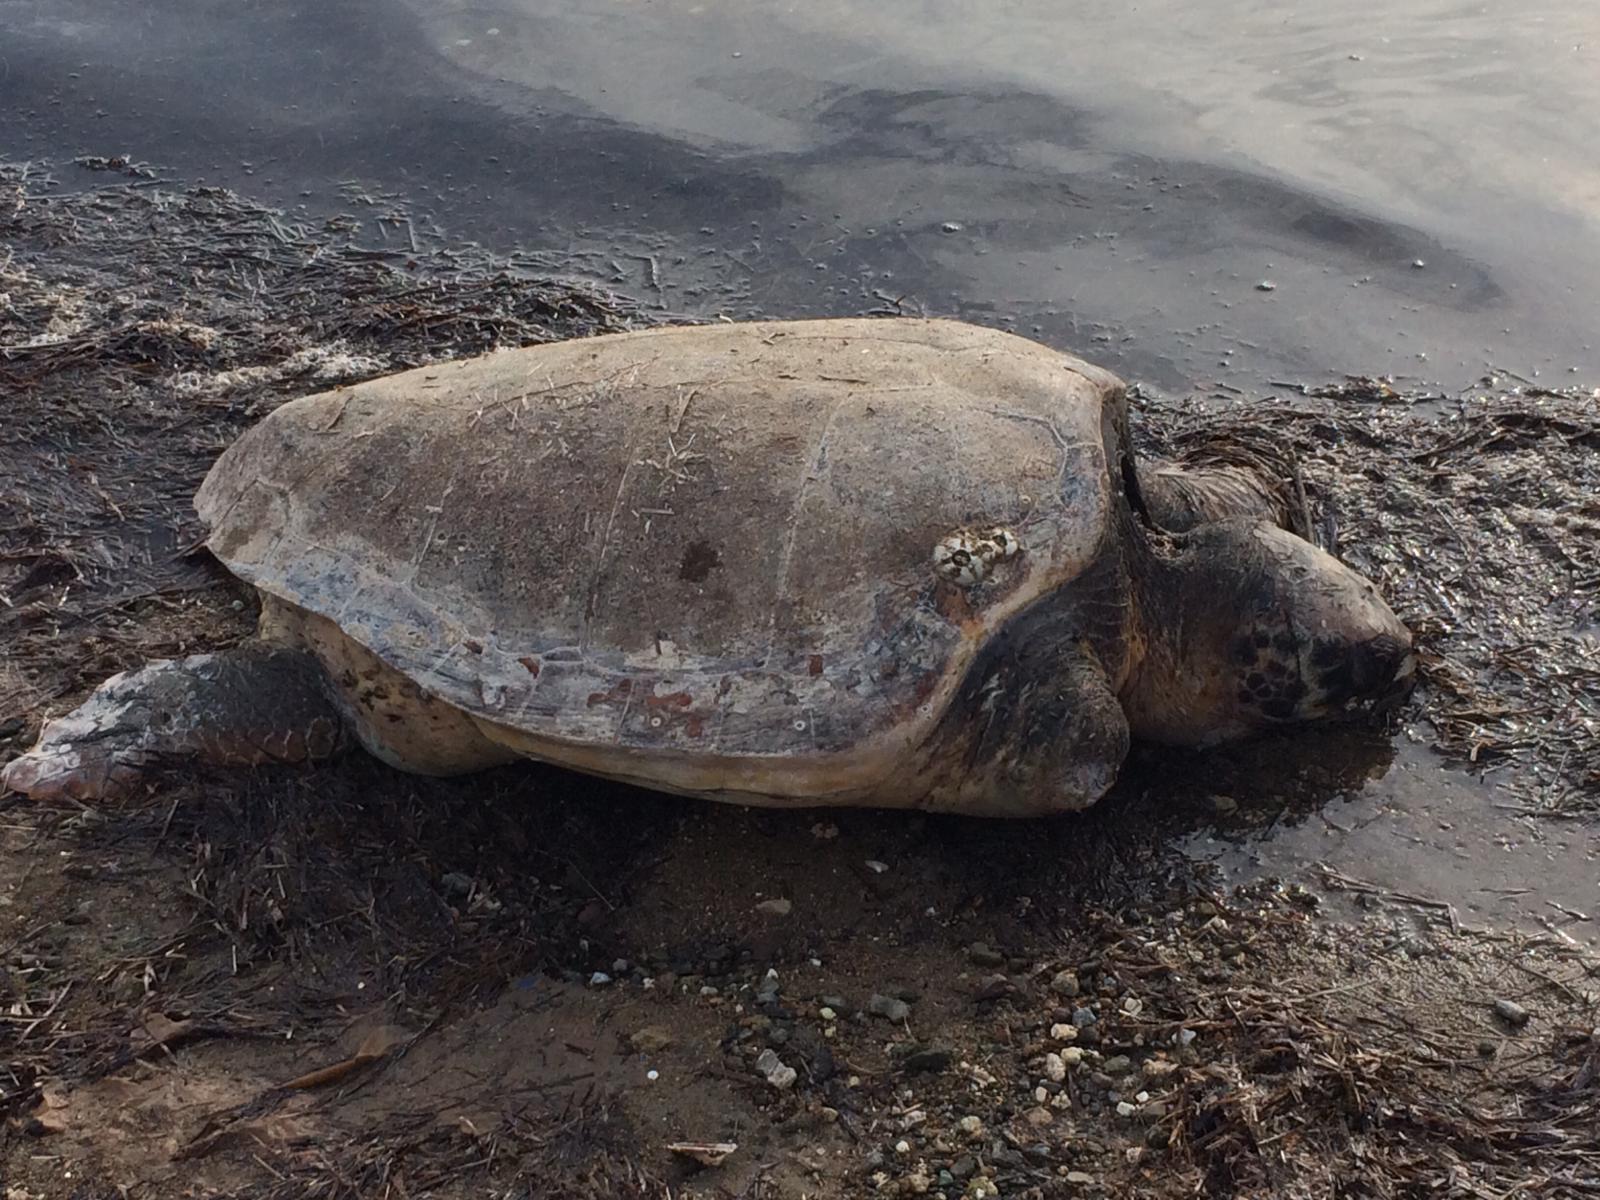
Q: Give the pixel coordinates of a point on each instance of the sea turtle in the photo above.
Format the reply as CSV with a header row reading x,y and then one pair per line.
x,y
883,562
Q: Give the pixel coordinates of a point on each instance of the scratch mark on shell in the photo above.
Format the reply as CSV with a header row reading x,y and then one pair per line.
x,y
600,557
792,530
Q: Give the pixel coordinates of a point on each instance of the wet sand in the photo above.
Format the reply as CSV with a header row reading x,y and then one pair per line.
x,y
1415,186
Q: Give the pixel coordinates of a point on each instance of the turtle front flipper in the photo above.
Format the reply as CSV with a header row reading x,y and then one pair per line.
x,y
256,703
1031,734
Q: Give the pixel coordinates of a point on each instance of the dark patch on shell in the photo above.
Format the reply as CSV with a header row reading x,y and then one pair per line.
x,y
670,700
618,693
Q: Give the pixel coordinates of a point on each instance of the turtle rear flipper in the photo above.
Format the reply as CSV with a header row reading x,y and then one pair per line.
x,y
256,703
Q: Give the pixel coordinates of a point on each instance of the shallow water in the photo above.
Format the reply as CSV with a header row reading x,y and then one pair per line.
x,y
1421,831
1116,177
1416,181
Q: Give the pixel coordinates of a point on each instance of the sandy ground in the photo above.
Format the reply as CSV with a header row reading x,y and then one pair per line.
x,y
348,982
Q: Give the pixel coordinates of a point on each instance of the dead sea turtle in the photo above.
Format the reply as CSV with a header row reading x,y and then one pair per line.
x,y
889,562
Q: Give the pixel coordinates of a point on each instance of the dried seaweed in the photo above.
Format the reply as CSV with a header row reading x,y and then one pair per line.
x,y
1328,1090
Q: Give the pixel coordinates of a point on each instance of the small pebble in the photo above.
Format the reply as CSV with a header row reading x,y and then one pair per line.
x,y
970,1125
888,1007
1266,285
928,1059
777,1073
1511,1013
951,227
1124,1109
599,979
981,955
1055,1068
775,908
652,1039
1062,1032
993,987
1064,983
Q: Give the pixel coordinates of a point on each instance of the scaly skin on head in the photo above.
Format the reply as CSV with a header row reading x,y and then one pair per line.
x,y
1216,476
1242,626
1179,498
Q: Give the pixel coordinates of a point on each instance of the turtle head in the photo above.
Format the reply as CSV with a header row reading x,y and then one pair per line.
x,y
1248,627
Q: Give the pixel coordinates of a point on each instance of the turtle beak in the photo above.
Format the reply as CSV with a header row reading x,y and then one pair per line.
x,y
1376,675
1400,685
